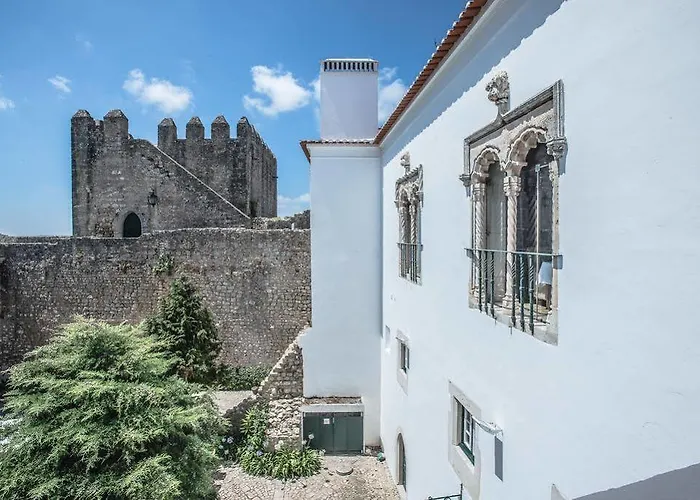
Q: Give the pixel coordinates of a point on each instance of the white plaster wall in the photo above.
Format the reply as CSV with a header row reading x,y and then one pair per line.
x,y
349,104
617,401
342,349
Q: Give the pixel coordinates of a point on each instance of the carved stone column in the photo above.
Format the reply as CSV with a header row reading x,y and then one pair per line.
x,y
511,187
404,235
479,197
479,228
414,221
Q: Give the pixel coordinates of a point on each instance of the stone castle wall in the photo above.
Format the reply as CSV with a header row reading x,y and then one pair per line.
x,y
242,169
302,220
181,183
256,284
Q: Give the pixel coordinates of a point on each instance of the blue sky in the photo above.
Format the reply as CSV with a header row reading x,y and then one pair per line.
x,y
182,58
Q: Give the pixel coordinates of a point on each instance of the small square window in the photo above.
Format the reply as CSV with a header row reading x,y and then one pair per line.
x,y
466,431
404,357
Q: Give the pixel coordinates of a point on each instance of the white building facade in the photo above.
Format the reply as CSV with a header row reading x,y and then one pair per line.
x,y
506,273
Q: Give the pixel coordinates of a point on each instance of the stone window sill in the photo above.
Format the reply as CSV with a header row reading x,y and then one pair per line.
x,y
544,332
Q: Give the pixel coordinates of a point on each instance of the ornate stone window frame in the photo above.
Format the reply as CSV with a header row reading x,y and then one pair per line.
x,y
409,203
507,141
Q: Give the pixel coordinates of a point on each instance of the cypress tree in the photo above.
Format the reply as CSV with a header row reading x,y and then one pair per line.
x,y
186,326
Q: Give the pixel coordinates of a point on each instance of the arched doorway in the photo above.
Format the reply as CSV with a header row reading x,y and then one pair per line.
x,y
132,226
401,455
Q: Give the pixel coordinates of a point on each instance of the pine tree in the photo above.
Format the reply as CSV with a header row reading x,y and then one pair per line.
x,y
187,327
94,415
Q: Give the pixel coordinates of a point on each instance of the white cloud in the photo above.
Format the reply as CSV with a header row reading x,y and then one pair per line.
x,y
86,44
290,206
156,92
391,90
60,83
316,85
6,103
277,91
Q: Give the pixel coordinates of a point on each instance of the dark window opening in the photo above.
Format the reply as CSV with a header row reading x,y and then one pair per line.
x,y
466,431
402,462
404,357
132,226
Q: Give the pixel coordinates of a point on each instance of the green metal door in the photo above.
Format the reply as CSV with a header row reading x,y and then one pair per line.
x,y
334,432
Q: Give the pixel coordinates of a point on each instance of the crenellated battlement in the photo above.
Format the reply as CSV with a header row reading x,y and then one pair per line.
x,y
242,169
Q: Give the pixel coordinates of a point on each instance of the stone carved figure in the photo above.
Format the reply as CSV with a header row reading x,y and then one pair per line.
x,y
406,161
498,90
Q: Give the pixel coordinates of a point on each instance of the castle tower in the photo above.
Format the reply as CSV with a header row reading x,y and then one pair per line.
x,y
342,349
83,149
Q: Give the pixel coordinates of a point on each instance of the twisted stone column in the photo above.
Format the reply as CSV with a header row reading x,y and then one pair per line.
x,y
511,187
414,222
404,235
479,196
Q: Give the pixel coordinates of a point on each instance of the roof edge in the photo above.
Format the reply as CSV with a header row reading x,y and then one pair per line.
x,y
466,19
331,142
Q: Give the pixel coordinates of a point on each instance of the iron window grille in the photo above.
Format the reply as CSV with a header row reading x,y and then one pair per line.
x,y
528,299
409,261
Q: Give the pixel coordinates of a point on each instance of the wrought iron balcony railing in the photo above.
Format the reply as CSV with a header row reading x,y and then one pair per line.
x,y
514,284
456,496
409,261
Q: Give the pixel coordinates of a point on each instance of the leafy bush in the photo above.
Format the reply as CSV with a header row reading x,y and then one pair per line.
x,y
242,378
283,463
187,327
95,416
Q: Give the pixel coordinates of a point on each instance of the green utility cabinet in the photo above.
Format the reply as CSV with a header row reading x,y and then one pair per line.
x,y
334,432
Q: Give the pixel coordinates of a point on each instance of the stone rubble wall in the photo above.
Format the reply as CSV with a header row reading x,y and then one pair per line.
x,y
285,380
256,284
302,220
283,390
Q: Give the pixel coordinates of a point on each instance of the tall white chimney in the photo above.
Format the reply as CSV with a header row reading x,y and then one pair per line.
x,y
349,98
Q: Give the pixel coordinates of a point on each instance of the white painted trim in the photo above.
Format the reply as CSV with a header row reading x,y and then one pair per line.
x,y
334,408
343,151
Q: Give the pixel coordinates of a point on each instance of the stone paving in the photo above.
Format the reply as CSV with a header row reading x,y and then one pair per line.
x,y
369,480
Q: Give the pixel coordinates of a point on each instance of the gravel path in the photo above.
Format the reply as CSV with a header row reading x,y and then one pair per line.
x,y
369,480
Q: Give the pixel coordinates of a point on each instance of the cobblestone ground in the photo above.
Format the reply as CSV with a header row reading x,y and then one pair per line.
x,y
369,480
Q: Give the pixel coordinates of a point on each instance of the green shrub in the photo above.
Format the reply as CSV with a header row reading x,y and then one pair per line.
x,y
188,329
283,463
96,417
242,378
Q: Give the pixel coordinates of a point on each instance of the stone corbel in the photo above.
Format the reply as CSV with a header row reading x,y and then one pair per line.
x,y
556,148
